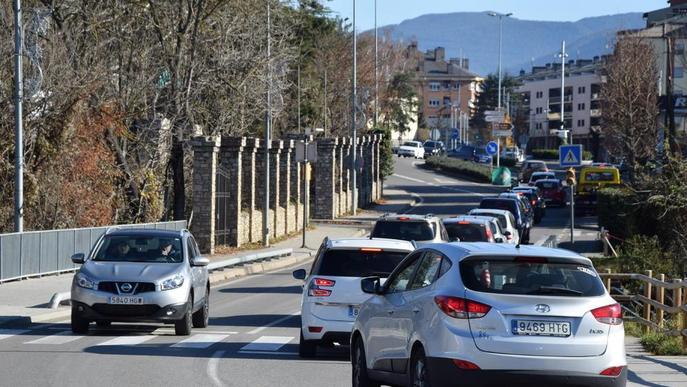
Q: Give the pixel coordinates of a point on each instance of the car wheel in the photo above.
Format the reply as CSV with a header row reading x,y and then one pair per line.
x,y
201,318
307,348
183,326
359,366
419,373
79,325
103,324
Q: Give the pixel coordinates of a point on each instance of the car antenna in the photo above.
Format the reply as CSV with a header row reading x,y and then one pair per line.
x,y
518,245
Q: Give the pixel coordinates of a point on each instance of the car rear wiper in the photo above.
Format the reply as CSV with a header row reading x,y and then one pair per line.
x,y
554,290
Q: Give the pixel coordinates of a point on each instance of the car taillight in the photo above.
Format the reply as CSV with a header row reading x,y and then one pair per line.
x,y
465,365
612,371
490,236
461,308
534,202
314,329
611,314
315,288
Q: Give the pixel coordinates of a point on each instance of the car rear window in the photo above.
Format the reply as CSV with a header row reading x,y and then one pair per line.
x,y
599,176
470,232
404,230
547,185
501,218
499,204
531,276
358,263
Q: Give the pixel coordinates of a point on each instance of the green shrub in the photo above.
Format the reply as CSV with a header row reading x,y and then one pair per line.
x,y
617,209
552,154
641,253
459,167
662,344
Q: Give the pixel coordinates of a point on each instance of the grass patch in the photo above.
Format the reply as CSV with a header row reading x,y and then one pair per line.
x,y
662,345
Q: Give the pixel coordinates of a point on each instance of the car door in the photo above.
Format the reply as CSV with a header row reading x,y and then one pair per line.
x,y
196,273
385,322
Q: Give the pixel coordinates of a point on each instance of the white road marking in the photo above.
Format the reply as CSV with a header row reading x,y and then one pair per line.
x,y
439,186
200,341
273,323
57,339
166,331
7,333
213,365
267,344
127,340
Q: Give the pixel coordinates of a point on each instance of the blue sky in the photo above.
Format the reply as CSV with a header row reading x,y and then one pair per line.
x,y
395,11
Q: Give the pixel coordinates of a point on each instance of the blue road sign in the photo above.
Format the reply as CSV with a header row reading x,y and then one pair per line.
x,y
455,134
570,155
492,148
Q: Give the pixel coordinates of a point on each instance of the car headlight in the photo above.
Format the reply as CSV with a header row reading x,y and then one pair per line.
x,y
84,282
172,283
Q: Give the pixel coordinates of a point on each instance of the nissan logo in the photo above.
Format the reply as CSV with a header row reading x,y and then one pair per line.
x,y
126,287
542,308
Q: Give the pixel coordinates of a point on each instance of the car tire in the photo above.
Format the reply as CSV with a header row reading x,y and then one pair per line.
x,y
359,377
307,348
183,326
79,325
103,324
419,373
201,318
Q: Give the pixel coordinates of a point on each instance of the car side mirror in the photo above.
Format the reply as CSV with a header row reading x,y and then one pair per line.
x,y
507,233
79,258
200,261
370,285
299,274
499,240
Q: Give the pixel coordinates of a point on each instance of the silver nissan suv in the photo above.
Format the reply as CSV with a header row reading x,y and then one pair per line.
x,y
136,275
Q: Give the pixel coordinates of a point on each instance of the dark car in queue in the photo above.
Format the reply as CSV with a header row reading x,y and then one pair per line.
x,y
536,201
552,191
522,221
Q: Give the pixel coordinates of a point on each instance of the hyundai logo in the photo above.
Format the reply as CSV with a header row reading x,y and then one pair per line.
x,y
125,287
542,308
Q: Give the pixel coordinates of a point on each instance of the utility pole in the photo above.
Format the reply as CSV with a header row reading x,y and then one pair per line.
x,y
268,135
324,111
354,100
18,116
376,69
670,104
299,96
498,139
563,56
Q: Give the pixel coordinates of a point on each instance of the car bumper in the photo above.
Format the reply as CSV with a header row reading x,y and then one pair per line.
x,y
330,328
130,313
443,372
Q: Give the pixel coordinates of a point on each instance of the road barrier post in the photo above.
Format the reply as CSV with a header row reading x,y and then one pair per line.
x,y
608,280
681,316
647,306
661,299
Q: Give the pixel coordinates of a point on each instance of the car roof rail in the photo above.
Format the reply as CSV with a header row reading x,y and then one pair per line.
x,y
414,244
112,229
326,240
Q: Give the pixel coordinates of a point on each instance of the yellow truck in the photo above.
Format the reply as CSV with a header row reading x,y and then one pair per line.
x,y
591,179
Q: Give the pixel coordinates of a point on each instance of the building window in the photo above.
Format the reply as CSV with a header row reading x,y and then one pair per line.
x,y
434,102
679,72
447,101
582,90
679,49
539,94
434,86
580,123
581,106
456,85
539,110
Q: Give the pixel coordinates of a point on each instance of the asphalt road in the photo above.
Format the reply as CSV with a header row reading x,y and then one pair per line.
x,y
254,327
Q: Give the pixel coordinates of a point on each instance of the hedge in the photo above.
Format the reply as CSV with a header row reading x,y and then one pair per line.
x,y
463,168
618,211
552,154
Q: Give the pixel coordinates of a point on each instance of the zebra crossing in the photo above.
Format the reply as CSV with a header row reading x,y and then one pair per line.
x,y
60,336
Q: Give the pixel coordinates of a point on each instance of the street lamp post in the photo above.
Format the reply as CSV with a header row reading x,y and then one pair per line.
x,y
563,56
268,134
500,16
376,69
354,100
18,129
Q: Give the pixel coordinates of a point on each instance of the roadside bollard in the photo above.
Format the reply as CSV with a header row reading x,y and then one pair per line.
x,y
647,306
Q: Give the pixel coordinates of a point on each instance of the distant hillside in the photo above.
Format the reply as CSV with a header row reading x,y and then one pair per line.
x,y
524,41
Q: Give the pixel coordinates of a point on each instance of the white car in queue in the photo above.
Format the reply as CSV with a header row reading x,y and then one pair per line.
x,y
331,292
412,149
506,221
485,314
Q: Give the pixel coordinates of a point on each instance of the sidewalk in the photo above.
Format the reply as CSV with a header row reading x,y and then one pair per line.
x,y
27,301
645,369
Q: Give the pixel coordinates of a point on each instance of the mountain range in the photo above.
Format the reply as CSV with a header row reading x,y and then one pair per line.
x,y
525,42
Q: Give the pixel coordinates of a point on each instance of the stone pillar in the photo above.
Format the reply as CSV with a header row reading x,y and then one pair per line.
x,y
248,194
341,176
205,150
378,165
346,176
372,168
286,165
362,164
324,180
278,217
296,188
260,181
231,160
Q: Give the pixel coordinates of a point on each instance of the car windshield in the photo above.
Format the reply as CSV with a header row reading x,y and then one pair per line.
x,y
132,248
547,185
410,144
599,176
466,232
404,230
501,218
542,176
358,263
531,276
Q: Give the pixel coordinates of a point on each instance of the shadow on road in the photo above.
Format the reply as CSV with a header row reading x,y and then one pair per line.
x,y
297,289
258,320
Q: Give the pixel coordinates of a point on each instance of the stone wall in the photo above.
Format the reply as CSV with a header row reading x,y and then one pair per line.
x,y
234,210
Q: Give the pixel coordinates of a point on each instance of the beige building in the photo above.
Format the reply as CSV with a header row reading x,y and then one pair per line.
x,y
446,87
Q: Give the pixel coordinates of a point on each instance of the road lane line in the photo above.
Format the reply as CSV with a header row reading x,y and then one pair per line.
x,y
267,344
213,365
200,341
166,331
126,340
57,339
7,333
273,323
440,186
419,202
269,353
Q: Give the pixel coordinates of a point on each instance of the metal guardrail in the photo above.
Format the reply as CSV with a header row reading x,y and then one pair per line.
x,y
250,258
38,253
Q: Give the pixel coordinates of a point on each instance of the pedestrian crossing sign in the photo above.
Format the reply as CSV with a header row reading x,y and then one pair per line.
x,y
570,155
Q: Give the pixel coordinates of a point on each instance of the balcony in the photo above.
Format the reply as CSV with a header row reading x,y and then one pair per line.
x,y
556,115
596,96
595,113
557,100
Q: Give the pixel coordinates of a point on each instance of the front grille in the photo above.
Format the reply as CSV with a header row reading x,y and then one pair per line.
x,y
111,287
126,310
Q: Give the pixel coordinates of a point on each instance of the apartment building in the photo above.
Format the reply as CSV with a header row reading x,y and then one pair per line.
x,y
541,96
445,86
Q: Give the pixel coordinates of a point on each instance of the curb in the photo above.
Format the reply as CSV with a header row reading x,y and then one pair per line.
x,y
257,268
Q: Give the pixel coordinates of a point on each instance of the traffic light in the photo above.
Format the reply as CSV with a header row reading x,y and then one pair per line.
x,y
570,177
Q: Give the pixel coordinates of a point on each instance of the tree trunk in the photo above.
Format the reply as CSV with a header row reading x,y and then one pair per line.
x,y
177,162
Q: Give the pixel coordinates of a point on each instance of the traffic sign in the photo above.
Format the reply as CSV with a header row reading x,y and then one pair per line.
x,y
570,155
498,119
455,133
502,133
492,148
